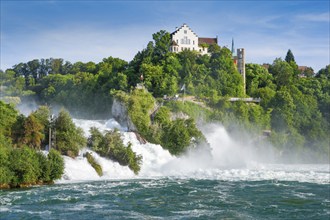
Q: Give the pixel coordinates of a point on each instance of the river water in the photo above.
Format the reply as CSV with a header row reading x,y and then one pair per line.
x,y
238,182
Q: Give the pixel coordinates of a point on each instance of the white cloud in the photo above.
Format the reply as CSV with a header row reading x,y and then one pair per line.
x,y
322,17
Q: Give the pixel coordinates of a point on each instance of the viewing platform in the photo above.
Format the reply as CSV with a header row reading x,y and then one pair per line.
x,y
255,100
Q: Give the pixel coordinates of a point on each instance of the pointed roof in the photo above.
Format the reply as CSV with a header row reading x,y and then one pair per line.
x,y
233,52
178,29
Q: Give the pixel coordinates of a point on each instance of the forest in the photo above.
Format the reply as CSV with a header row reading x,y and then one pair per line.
x,y
294,103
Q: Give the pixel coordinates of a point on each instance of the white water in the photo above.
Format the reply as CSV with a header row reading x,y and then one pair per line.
x,y
230,161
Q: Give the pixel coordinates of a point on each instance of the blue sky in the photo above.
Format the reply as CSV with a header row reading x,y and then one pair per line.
x,y
92,30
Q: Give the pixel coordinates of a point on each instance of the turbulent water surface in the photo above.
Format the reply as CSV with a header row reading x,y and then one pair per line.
x,y
237,182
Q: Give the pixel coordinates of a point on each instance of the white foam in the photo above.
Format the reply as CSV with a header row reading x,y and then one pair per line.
x,y
230,162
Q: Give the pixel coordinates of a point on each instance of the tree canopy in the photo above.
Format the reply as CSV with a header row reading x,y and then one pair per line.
x,y
294,103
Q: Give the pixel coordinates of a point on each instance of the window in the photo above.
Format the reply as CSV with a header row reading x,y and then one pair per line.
x,y
185,40
193,42
185,31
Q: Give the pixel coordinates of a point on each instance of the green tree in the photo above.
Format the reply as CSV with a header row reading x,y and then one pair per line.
x,y
25,166
69,138
6,175
324,73
8,116
282,72
33,132
110,145
283,111
56,164
162,44
289,57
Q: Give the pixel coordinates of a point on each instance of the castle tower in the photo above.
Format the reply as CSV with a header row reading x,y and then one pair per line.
x,y
241,65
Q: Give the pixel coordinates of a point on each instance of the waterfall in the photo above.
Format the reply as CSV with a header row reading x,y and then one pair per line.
x,y
229,161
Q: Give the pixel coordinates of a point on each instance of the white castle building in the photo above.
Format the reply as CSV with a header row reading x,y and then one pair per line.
x,y
184,38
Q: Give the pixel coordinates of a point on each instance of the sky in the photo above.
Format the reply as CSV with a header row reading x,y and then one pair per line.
x,y
92,30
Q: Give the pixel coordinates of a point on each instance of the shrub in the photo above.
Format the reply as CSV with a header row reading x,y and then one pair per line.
x,y
56,164
110,145
69,138
97,167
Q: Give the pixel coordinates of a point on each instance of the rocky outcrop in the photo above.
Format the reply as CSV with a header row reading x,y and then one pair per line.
x,y
119,112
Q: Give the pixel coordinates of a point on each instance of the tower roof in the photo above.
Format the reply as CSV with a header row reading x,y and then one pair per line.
x,y
233,52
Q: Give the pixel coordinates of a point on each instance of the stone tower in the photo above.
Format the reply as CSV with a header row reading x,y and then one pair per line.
x,y
241,65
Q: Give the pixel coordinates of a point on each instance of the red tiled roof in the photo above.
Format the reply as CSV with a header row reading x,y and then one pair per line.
x,y
209,41
302,68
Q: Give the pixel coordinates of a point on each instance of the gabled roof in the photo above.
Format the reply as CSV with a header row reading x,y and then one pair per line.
x,y
209,41
184,25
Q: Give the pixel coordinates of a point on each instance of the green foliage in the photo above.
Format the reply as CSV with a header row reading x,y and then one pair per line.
x,y
69,138
33,132
324,73
97,167
110,145
6,175
295,109
140,106
45,169
162,44
283,73
162,116
8,118
259,83
179,135
25,165
56,164
289,57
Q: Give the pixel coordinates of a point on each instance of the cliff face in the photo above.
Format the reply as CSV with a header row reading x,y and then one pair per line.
x,y
119,112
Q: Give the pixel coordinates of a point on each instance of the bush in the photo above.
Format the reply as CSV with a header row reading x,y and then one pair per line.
x,y
110,145
69,138
97,167
25,166
56,164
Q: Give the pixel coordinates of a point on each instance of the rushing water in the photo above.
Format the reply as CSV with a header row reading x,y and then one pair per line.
x,y
239,182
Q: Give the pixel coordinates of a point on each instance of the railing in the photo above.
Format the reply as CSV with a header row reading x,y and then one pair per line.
x,y
234,99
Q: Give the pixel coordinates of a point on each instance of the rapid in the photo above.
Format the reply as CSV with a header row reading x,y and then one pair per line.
x,y
230,161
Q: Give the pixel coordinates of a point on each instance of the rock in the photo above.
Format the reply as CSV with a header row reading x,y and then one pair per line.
x,y
119,112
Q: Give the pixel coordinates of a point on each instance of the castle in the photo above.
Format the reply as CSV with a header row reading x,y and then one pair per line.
x,y
184,38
